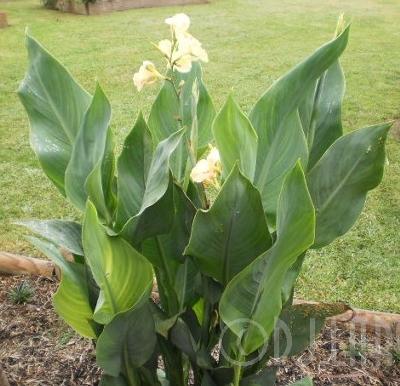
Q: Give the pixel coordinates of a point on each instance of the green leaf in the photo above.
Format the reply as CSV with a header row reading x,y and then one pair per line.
x,y
158,176
156,196
236,139
165,116
72,300
325,122
252,301
340,180
65,234
89,149
266,377
231,234
127,341
133,167
281,140
155,220
56,105
299,325
123,274
162,322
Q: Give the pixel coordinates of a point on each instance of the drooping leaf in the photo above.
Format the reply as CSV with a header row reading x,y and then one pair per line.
x,y
299,325
65,234
231,234
281,140
127,341
122,273
88,149
72,299
236,139
340,180
133,167
56,105
252,300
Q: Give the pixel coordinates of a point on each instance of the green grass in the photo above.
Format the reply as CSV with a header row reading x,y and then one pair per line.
x,y
250,43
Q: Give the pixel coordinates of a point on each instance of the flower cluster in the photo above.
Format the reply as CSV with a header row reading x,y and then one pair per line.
x,y
180,52
207,170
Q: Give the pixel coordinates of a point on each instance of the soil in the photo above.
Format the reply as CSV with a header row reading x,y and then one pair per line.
x,y
37,348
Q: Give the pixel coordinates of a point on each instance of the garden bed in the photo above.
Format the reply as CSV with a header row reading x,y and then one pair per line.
x,y
37,348
104,6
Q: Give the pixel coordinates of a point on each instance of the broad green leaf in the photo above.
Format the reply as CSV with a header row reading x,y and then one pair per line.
x,y
340,180
157,186
122,273
89,148
252,301
236,139
281,140
72,300
133,167
65,234
266,377
165,115
127,341
231,234
325,123
56,105
299,325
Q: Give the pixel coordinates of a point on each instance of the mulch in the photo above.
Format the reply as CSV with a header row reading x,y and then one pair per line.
x,y
37,348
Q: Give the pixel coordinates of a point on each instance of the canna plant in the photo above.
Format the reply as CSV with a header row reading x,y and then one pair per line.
x,y
184,268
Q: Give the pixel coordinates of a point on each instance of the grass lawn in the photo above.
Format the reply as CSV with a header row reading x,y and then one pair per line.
x,y
250,43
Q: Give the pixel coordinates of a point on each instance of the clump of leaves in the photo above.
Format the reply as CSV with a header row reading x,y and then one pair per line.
x,y
223,230
21,293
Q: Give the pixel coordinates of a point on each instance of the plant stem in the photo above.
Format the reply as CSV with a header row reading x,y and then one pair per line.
x,y
237,369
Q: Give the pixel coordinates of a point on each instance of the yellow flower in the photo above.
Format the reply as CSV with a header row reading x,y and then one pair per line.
x,y
191,46
207,170
147,74
213,157
165,46
183,63
202,171
179,23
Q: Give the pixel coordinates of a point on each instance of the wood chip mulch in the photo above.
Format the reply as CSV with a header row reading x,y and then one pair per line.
x,y
37,348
